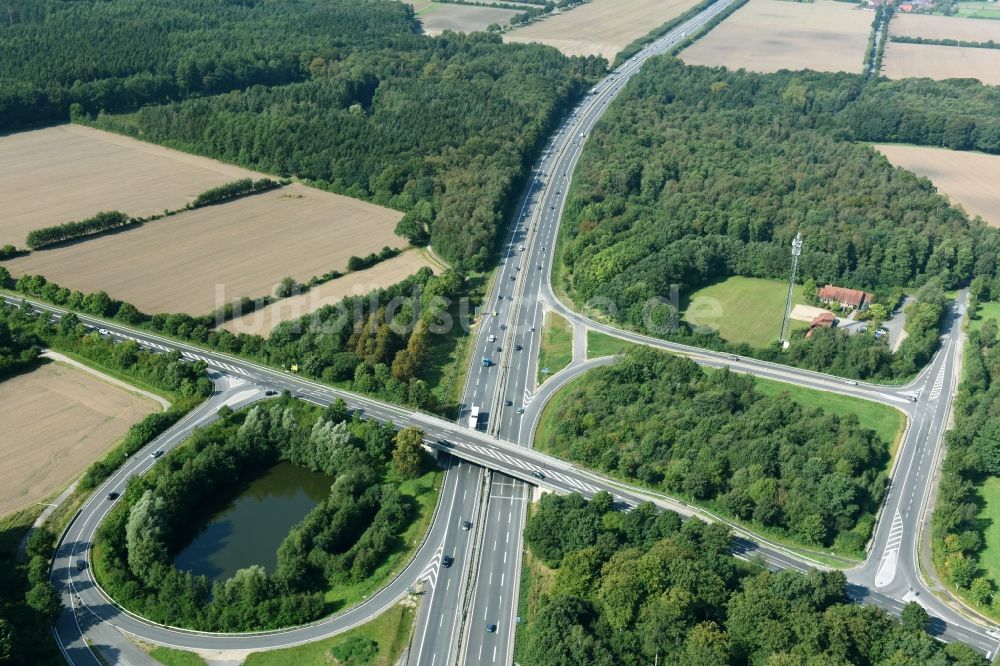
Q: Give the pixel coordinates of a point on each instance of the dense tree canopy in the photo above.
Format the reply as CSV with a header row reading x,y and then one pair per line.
x,y
663,421
343,540
120,54
698,174
640,588
973,456
451,122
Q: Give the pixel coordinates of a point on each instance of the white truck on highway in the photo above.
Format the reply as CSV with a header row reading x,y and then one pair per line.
x,y
474,417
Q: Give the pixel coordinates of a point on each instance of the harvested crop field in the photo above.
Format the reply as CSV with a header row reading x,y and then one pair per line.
x,y
436,17
770,35
381,275
57,420
198,260
70,172
600,27
971,180
945,27
941,62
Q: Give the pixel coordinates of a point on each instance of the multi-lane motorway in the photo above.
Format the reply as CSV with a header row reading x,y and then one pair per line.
x,y
468,609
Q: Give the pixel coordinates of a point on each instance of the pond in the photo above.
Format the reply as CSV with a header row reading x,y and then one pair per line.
x,y
248,529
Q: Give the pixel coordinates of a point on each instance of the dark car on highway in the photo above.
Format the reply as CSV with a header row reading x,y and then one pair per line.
x,y
447,561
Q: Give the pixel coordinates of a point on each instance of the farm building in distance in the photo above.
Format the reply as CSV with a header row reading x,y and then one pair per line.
x,y
854,299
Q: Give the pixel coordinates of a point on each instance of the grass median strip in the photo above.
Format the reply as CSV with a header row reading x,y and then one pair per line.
x,y
557,346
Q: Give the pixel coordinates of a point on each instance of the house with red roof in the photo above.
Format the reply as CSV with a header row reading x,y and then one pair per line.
x,y
849,299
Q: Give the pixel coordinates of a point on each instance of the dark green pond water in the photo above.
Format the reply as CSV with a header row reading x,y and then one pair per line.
x,y
249,529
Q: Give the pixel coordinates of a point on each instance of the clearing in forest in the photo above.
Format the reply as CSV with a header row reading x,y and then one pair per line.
x,y
743,309
198,260
929,26
70,172
600,27
941,62
57,421
970,180
770,35
436,17
381,275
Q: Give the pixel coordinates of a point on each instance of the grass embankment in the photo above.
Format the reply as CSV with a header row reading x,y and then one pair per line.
x,y
424,492
743,309
989,514
378,643
172,657
987,310
602,344
556,350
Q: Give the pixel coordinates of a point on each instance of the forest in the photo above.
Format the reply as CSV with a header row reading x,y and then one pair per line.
x,y
341,541
697,174
973,457
709,436
377,344
451,124
119,55
640,588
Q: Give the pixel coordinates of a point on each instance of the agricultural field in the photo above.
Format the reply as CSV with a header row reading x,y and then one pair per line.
x,y
70,172
982,10
970,180
770,35
600,27
941,62
436,17
944,27
743,309
57,420
196,261
381,275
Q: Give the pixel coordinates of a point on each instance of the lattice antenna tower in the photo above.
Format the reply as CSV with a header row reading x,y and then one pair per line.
x,y
796,251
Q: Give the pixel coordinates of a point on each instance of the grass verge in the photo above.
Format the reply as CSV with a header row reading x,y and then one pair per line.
x,y
556,351
602,344
537,580
378,643
172,657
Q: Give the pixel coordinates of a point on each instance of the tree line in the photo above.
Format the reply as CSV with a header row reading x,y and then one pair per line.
x,y
660,420
972,458
359,342
233,190
103,221
638,588
343,540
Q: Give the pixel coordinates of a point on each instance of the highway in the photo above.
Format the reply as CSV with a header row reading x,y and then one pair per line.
x,y
480,588
470,445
